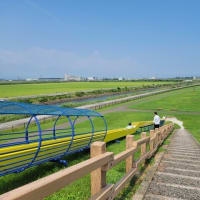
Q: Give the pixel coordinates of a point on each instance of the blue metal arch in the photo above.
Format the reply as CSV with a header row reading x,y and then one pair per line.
x,y
92,125
39,141
35,157
73,133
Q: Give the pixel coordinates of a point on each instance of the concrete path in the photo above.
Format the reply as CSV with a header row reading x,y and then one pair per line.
x,y
178,175
175,121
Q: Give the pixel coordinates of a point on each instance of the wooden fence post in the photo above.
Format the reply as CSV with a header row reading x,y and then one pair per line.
x,y
98,176
171,127
157,136
143,146
164,133
168,129
160,137
152,133
130,159
167,132
161,134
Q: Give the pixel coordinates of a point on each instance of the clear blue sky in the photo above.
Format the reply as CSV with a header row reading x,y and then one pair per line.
x,y
112,38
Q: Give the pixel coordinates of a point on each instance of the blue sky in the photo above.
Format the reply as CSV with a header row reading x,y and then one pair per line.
x,y
105,38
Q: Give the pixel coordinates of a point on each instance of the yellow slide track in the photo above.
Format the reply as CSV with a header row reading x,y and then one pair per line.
x,y
21,155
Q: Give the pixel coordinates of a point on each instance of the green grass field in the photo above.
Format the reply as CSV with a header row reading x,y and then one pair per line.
x,y
17,90
182,100
186,100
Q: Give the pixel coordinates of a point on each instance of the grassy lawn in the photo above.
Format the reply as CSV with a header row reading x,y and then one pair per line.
x,y
17,90
81,188
191,123
182,100
186,100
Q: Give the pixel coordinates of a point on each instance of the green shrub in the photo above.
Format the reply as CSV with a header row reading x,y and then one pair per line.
x,y
80,94
43,99
119,89
25,100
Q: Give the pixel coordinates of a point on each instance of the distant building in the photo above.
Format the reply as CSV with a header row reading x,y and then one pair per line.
x,y
31,79
49,79
187,80
68,77
91,78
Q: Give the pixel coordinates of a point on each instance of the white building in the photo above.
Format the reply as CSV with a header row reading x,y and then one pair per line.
x,y
68,77
31,79
91,78
188,80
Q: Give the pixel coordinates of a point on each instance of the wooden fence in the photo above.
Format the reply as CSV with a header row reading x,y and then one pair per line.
x,y
98,165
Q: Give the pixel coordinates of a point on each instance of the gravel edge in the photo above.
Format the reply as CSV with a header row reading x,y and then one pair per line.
x,y
139,195
141,192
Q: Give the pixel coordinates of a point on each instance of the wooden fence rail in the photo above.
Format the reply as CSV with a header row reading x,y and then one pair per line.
x,y
98,165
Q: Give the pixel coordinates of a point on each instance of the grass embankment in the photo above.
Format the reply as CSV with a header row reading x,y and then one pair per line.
x,y
186,100
17,90
69,94
80,189
85,102
181,100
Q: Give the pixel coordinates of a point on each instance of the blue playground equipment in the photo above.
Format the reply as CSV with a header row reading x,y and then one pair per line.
x,y
37,144
34,144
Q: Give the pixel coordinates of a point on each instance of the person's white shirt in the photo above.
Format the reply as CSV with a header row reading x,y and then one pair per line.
x,y
129,127
156,120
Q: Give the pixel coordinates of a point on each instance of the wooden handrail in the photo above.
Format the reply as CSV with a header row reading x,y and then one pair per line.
x,y
142,159
123,155
52,183
143,141
120,184
105,193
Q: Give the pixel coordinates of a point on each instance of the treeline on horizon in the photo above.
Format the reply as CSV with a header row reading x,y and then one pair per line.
x,y
14,82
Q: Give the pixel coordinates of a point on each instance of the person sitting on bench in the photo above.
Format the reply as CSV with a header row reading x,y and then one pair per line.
x,y
129,126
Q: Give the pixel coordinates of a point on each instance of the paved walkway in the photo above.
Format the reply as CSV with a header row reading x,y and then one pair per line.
x,y
178,175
